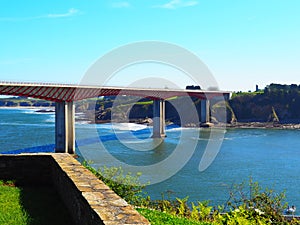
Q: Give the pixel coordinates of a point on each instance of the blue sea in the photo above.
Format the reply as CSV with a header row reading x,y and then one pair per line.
x,y
271,157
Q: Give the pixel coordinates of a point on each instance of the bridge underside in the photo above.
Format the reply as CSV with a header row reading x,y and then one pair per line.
x,y
65,123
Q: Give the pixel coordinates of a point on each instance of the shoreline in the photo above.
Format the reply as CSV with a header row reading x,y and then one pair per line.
x,y
263,125
236,125
27,107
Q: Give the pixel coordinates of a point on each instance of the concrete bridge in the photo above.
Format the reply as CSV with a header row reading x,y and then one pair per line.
x,y
64,95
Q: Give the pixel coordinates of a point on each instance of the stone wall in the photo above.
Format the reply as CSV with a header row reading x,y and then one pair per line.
x,y
88,200
26,169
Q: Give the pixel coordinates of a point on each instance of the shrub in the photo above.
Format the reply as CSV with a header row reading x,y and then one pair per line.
x,y
246,205
158,218
201,211
262,206
241,216
127,186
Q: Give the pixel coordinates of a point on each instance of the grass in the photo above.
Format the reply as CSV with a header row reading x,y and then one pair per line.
x,y
31,206
156,218
11,211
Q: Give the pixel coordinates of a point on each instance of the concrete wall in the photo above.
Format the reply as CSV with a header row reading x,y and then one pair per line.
x,y
88,200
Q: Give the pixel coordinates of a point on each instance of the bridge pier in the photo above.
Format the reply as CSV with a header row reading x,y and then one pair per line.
x,y
205,118
158,118
65,127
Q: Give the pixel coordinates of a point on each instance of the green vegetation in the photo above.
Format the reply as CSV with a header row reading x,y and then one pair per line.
x,y
248,203
242,107
251,204
25,102
31,206
200,212
144,103
260,106
240,93
157,218
126,186
11,212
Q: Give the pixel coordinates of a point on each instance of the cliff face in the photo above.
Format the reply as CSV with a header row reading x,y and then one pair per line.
x,y
280,102
276,103
141,111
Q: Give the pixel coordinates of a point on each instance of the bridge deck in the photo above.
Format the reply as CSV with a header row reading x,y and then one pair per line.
x,y
69,93
64,95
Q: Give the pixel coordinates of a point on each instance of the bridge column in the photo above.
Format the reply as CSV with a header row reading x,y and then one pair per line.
x,y
65,127
158,118
205,111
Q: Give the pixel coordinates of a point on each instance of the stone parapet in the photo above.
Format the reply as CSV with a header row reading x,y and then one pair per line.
x,y
88,200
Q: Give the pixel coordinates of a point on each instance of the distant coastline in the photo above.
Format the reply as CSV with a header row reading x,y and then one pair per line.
x,y
27,107
148,121
274,107
263,125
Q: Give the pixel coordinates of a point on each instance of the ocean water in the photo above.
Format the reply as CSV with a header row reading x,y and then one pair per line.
x,y
24,130
271,157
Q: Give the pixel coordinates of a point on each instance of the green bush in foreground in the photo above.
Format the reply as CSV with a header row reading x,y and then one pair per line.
x,y
251,201
248,204
241,216
126,186
156,218
180,207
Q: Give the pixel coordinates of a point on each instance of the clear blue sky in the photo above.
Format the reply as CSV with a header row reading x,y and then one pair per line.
x,y
243,42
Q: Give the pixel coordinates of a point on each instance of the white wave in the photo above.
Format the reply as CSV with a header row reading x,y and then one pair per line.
x,y
26,110
83,122
48,111
128,126
175,129
79,115
121,126
248,136
228,138
50,120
